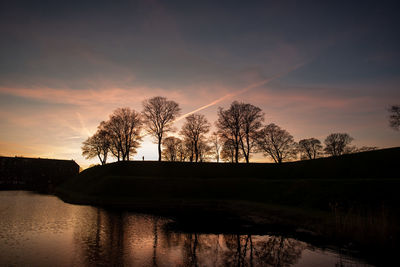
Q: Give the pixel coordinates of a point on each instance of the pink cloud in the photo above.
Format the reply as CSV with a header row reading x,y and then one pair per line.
x,y
87,97
59,130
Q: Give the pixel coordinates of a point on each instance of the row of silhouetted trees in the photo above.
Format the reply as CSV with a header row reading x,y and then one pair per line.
x,y
240,133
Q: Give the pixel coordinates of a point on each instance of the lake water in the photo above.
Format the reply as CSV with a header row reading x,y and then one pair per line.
x,y
42,230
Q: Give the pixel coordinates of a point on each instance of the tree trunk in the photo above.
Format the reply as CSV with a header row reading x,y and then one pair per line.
x,y
196,151
105,157
191,154
248,148
101,161
159,149
236,154
245,153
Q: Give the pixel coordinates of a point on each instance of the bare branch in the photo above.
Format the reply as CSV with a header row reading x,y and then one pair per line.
x,y
159,115
337,144
194,129
310,148
277,143
240,123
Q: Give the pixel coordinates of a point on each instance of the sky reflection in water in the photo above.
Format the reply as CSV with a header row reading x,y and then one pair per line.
x,y
41,230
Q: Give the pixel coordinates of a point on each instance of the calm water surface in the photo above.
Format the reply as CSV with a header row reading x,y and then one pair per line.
x,y
41,230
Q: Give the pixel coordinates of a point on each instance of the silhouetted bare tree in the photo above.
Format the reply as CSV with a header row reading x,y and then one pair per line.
x,y
184,150
159,115
240,124
337,144
277,143
394,117
216,142
310,148
97,145
171,147
228,125
228,151
205,150
123,128
188,148
194,129
251,121
115,148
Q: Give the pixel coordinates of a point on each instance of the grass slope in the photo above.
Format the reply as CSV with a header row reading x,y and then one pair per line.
x,y
362,179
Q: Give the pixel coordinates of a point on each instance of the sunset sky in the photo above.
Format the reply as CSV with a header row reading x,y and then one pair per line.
x,y
314,68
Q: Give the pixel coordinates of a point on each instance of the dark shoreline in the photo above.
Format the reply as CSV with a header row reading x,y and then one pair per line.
x,y
354,206
109,218
311,226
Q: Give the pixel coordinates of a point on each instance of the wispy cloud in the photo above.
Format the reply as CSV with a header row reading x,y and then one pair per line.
x,y
242,91
227,96
83,126
82,97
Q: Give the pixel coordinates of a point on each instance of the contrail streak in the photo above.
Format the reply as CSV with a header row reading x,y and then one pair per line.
x,y
254,85
84,130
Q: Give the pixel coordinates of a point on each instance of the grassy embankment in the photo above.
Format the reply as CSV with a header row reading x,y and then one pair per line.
x,y
355,195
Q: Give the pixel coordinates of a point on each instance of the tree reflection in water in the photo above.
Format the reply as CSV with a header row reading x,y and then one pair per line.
x,y
39,230
262,251
111,239
155,235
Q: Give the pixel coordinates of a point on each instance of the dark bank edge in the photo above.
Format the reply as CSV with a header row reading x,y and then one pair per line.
x,y
354,206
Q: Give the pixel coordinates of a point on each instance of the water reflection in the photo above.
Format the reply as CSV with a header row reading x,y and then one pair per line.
x,y
43,231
